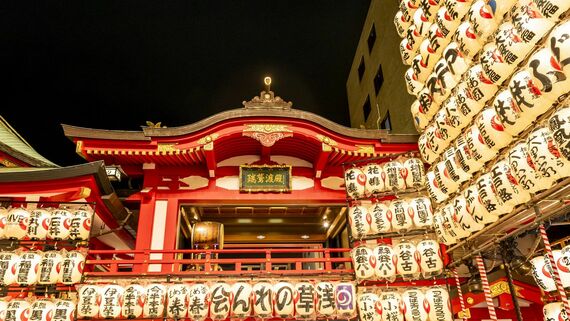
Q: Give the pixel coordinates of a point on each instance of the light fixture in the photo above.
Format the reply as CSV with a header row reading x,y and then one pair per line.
x,y
114,173
305,236
275,220
260,237
326,223
244,220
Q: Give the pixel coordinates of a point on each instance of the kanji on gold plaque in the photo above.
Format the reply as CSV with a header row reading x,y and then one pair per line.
x,y
265,178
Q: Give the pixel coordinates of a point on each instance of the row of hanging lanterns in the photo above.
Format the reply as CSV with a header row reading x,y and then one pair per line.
x,y
26,268
407,259
397,175
218,300
19,223
36,309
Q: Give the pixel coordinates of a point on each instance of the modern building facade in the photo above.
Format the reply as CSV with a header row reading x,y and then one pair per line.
x,y
372,101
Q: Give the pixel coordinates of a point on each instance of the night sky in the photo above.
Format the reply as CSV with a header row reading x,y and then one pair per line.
x,y
116,64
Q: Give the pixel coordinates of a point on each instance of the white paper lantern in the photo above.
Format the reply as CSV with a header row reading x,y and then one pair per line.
x,y
325,299
525,171
413,301
465,157
431,262
38,224
17,223
262,300
466,103
369,307
542,273
457,8
451,224
133,301
464,218
434,189
437,304
63,310
401,219
385,268
453,166
406,52
412,84
489,197
415,176
88,304
555,311
50,268
427,105
60,223
401,24
507,186
8,264
527,94
447,185
500,8
425,147
283,304
3,218
559,43
448,132
445,79
481,151
364,262
421,120
414,38
241,300
155,295
510,114
442,235
469,43
482,17
457,62
546,156
437,39
355,182
445,22
511,45
559,125
41,310
476,206
407,260
495,65
360,221
422,212
530,23
381,218
430,7
73,265
18,310
394,178
304,300
391,302
345,299
80,225
480,86
429,56
408,8
111,297
563,265
375,177
27,268
548,74
422,71
421,22
492,129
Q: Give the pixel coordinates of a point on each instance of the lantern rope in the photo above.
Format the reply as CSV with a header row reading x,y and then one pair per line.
x,y
555,273
459,292
486,287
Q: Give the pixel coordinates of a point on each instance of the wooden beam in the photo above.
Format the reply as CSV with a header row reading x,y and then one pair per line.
x,y
210,159
322,160
80,193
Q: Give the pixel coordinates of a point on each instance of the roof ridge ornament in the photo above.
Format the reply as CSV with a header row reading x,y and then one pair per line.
x,y
267,99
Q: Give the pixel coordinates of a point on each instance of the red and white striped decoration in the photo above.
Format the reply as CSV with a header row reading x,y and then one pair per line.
x,y
459,292
555,273
486,287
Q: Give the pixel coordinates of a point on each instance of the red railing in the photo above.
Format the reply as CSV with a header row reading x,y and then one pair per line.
x,y
230,262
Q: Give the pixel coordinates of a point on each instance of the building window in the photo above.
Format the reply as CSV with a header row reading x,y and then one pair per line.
x,y
378,80
366,108
386,122
361,69
371,38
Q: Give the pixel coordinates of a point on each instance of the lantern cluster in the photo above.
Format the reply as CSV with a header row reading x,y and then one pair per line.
x,y
36,309
19,223
417,304
542,269
397,175
401,215
218,300
27,268
409,260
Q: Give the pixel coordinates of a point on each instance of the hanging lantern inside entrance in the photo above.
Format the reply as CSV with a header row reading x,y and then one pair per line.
x,y
359,220
283,304
345,299
385,268
415,174
73,264
262,300
437,304
369,307
554,311
8,263
80,225
525,171
364,262
381,218
133,301
241,300
407,260
542,273
89,299
326,306
394,178
401,219
546,156
39,224
413,301
111,297
60,224
17,223
27,268
220,301
304,300
431,262
50,267
391,302
355,181
508,189
422,212
374,179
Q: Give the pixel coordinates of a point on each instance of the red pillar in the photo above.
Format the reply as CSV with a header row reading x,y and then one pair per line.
x,y
146,215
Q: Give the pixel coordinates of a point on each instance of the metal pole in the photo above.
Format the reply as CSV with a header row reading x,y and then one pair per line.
x,y
513,291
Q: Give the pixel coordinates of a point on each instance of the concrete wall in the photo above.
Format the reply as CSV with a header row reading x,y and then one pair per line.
x,y
393,96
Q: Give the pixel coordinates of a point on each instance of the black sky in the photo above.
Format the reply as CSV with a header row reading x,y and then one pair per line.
x,y
116,64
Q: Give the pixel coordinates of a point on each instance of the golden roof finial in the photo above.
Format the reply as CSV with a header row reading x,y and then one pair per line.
x,y
267,99
267,81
